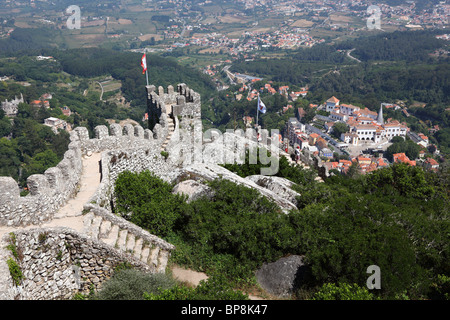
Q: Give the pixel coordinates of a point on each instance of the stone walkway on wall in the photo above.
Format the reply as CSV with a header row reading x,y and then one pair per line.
x,y
70,215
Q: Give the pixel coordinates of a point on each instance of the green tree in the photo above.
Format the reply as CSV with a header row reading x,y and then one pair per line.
x,y
400,179
342,291
339,128
39,163
148,202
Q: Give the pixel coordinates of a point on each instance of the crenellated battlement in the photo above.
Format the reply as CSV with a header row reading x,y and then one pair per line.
x,y
50,191
162,105
117,148
81,189
47,192
118,137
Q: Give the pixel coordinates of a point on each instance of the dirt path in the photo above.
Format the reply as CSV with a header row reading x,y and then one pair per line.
x,y
189,276
194,277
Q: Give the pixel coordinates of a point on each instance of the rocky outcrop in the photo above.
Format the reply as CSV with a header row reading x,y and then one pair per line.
x,y
192,189
278,185
282,277
211,172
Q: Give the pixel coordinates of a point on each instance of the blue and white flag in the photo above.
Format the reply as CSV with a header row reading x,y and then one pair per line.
x,y
261,106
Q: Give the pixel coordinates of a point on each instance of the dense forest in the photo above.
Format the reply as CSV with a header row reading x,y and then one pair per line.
x,y
25,39
411,46
411,69
125,66
395,218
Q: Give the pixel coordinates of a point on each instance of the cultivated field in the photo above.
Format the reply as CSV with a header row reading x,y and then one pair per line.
x,y
302,23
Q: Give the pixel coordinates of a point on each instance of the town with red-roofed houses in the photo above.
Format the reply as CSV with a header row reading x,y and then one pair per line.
x,y
364,142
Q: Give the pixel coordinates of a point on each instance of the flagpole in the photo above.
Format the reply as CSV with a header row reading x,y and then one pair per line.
x,y
257,112
146,69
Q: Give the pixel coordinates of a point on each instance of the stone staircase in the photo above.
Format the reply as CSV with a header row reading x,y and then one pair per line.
x,y
171,129
128,238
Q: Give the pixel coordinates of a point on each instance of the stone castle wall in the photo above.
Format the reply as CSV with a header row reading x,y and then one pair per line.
x,y
57,263
183,102
67,261
47,192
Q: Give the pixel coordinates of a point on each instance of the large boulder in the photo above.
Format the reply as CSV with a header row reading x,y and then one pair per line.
x,y
282,277
193,189
278,185
208,172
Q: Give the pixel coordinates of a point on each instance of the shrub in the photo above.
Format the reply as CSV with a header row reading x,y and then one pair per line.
x,y
130,284
215,288
342,291
15,271
238,230
150,201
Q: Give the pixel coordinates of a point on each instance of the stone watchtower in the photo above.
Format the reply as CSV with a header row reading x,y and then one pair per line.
x,y
162,106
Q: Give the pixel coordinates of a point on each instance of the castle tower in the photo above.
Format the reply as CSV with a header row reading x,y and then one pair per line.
x,y
182,102
153,110
380,119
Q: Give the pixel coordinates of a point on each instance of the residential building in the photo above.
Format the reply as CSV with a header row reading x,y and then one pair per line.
x,y
283,90
380,119
300,113
328,126
321,143
418,139
332,104
46,96
402,158
338,116
363,160
40,103
366,113
313,139
56,124
301,141
348,109
293,126
431,164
